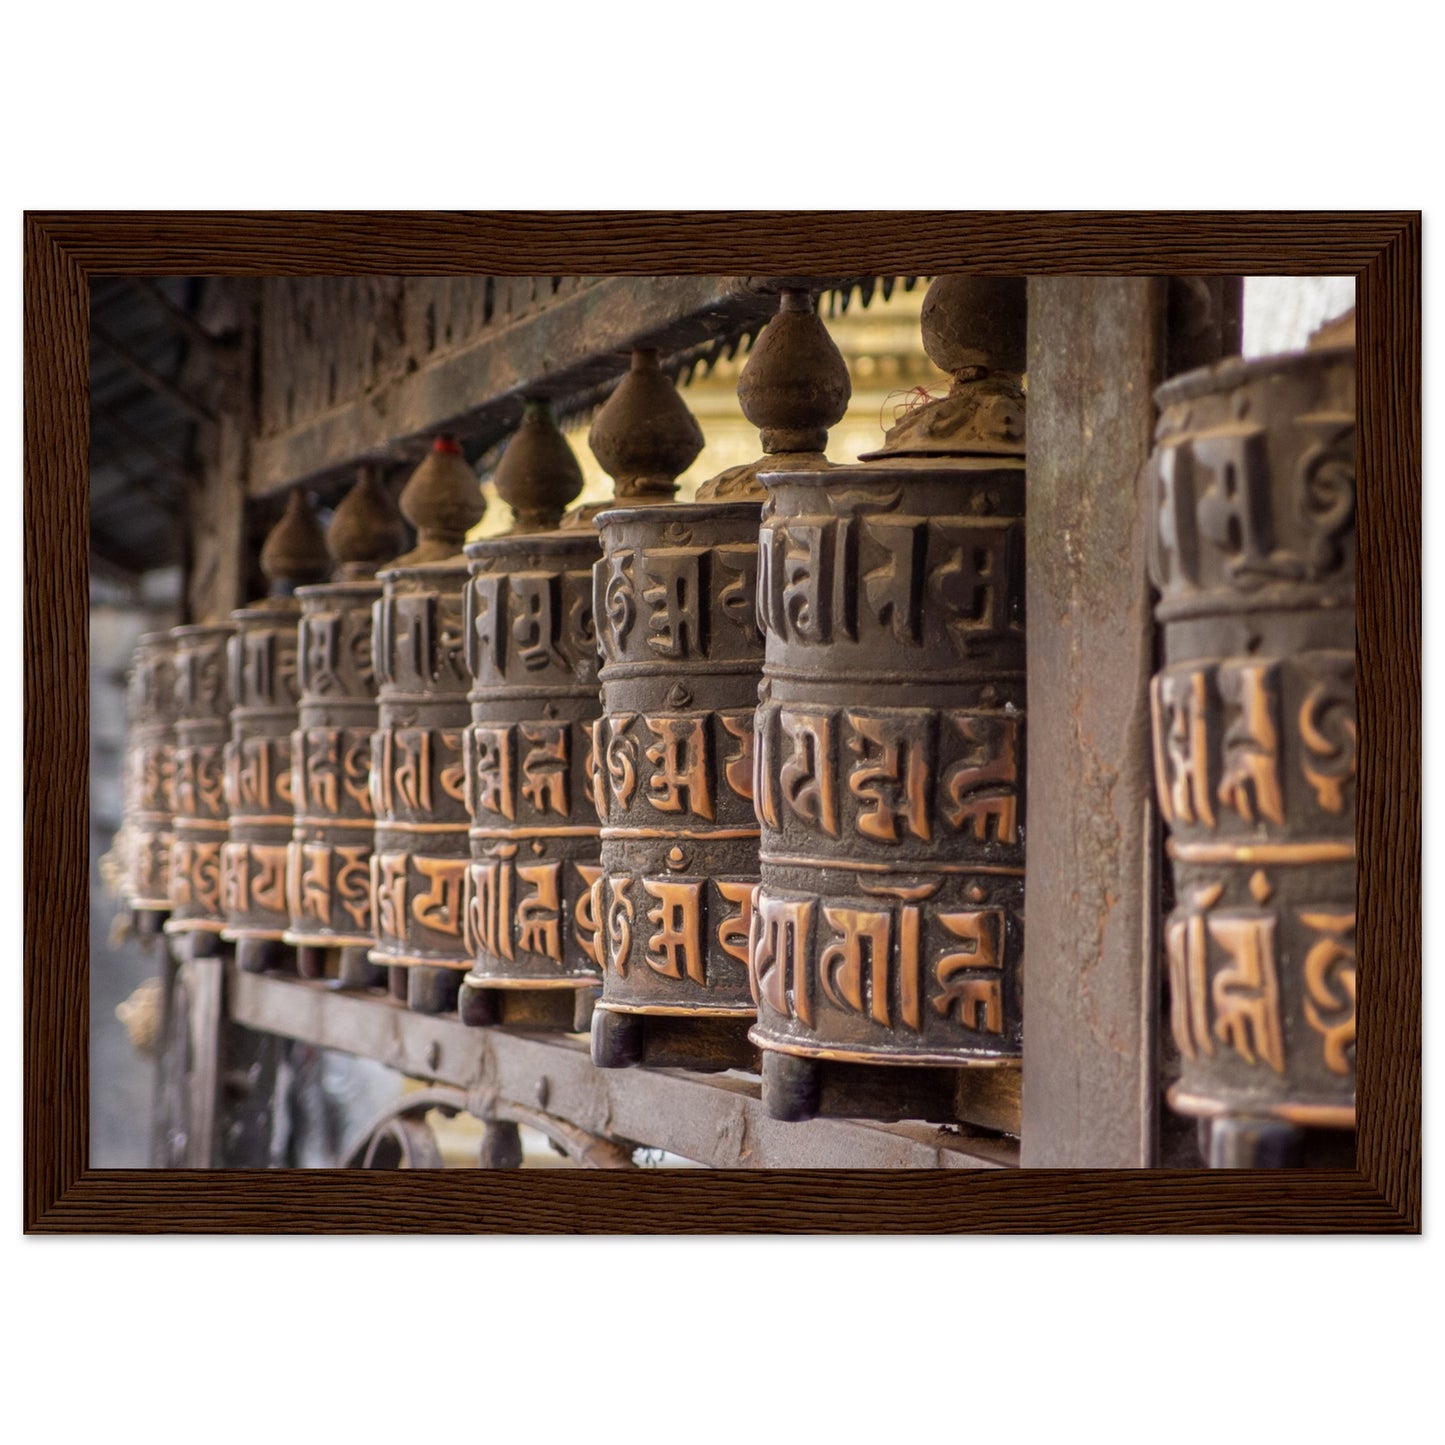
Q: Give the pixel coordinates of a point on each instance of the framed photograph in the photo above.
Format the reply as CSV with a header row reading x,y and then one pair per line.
x,y
869,722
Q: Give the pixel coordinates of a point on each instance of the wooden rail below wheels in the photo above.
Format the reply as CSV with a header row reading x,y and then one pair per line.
x,y
598,1115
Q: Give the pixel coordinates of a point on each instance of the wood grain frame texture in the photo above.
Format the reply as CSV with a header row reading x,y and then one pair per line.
x,y
64,249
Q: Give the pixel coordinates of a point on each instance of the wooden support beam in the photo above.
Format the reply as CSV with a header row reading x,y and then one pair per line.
x,y
215,536
714,1119
475,392
149,377
179,319
1096,352
203,981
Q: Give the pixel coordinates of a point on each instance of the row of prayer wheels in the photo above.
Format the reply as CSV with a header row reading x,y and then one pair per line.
x,y
740,783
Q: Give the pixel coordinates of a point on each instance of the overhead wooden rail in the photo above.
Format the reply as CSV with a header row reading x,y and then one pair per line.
x,y
569,349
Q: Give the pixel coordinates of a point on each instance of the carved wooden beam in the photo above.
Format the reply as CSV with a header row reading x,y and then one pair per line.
x,y
475,392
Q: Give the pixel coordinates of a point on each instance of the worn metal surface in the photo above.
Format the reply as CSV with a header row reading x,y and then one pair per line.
x,y
888,927
1090,1075
199,820
672,751
329,863
1252,509
148,773
673,776
418,868
564,344
715,1120
532,653
331,842
264,693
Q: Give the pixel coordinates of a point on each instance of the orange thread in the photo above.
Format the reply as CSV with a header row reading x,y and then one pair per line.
x,y
913,398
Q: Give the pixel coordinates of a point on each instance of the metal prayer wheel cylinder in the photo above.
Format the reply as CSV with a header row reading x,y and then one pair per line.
x,y
329,867
149,774
199,820
264,689
888,928
673,757
532,650
1254,734
418,791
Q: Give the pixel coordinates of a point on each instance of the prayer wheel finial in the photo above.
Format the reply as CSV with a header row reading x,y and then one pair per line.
x,y
794,387
443,501
366,529
538,474
976,329
976,323
645,437
295,550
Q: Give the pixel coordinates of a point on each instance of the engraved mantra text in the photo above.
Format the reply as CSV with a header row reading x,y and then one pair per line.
x,y
1236,1004
890,961
890,776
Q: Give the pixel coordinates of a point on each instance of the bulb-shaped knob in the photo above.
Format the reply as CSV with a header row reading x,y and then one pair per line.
x,y
644,436
538,474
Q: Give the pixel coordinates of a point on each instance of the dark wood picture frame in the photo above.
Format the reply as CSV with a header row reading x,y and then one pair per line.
x,y
63,250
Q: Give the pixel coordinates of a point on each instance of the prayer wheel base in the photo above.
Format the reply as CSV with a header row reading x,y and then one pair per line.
x,y
796,1088
355,970
706,1044
432,990
311,961
346,965
265,955
191,944
560,1010
1251,1141
147,922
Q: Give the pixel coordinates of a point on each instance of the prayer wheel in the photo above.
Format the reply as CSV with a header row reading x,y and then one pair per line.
x,y
532,653
264,691
1255,738
148,778
645,437
329,867
887,937
203,724
681,660
418,792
